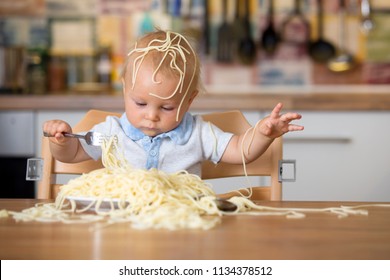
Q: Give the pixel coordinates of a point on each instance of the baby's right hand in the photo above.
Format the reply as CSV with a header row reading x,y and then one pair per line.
x,y
57,128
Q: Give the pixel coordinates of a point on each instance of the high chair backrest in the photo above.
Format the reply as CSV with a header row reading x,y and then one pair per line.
x,y
266,165
48,186
233,121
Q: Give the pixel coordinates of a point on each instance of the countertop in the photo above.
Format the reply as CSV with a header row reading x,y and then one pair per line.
x,y
327,98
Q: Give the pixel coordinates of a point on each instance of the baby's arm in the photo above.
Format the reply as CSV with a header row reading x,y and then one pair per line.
x,y
63,148
269,128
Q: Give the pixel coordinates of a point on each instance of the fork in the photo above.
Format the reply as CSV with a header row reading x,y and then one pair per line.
x,y
91,138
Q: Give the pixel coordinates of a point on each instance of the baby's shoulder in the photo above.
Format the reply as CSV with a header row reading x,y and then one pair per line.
x,y
111,124
113,118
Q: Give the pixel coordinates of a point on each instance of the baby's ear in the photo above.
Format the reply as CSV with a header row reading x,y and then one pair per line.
x,y
192,97
123,85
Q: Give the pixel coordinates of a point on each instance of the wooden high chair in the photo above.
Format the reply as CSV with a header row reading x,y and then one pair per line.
x,y
266,165
233,121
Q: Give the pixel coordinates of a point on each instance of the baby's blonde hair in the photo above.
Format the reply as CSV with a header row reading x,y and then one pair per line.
x,y
171,54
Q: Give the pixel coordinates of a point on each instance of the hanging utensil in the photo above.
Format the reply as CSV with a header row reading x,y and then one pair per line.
x,y
270,38
344,61
225,37
296,29
238,27
366,22
321,50
247,47
206,28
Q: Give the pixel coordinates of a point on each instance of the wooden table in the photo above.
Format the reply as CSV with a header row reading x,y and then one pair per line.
x,y
318,236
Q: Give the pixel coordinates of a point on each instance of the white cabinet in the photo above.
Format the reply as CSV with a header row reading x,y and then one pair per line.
x,y
17,133
72,117
340,156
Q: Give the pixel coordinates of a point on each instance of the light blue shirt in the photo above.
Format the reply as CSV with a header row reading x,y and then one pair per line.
x,y
183,148
151,145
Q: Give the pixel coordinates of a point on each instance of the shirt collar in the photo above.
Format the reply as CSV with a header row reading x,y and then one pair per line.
x,y
179,135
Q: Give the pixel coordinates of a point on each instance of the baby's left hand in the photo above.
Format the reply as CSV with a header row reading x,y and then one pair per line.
x,y
276,125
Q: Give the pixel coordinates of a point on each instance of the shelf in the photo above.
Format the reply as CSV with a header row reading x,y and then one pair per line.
x,y
337,98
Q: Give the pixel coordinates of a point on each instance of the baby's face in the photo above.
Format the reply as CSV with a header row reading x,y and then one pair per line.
x,y
151,114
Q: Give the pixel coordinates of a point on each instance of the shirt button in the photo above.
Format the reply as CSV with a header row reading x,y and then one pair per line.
x,y
153,153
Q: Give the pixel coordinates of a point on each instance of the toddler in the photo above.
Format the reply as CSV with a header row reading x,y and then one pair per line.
x,y
161,78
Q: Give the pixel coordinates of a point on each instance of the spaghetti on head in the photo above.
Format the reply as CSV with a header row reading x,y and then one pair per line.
x,y
171,55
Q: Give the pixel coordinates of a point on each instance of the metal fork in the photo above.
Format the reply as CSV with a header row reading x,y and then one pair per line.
x,y
91,138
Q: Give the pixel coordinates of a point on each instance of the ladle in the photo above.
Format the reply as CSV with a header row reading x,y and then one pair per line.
x,y
343,61
225,37
270,38
238,27
321,50
247,46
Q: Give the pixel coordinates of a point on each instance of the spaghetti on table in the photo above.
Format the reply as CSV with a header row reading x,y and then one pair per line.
x,y
149,199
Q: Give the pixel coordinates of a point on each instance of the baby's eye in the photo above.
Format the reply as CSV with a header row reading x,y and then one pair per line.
x,y
140,104
166,108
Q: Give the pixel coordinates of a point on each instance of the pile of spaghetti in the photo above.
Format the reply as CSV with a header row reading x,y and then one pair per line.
x,y
146,198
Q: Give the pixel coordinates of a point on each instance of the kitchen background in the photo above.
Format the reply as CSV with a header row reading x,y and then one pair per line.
x,y
49,46
53,50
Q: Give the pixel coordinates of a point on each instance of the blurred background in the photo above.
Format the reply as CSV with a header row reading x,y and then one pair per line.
x,y
51,46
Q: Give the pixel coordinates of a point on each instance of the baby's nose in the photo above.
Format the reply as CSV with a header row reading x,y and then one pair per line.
x,y
152,115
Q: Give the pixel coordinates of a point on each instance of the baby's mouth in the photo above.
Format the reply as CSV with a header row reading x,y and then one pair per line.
x,y
150,131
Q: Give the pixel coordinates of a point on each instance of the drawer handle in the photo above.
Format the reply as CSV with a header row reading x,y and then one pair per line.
x,y
320,139
34,170
288,165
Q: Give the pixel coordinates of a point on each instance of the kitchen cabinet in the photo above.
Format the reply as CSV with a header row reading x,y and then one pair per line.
x,y
16,136
340,156
16,146
72,117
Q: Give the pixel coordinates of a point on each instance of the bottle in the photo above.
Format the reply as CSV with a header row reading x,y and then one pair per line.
x,y
177,20
56,75
104,66
36,72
